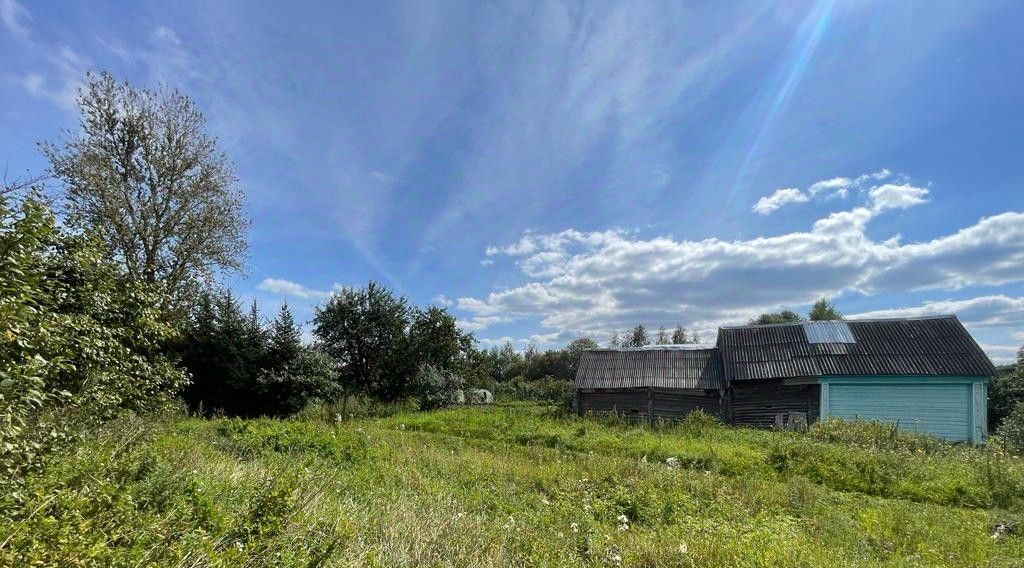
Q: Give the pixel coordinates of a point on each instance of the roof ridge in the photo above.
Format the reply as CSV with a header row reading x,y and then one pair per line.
x,y
845,320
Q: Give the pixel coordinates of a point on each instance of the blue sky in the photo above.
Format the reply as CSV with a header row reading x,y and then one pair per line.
x,y
552,170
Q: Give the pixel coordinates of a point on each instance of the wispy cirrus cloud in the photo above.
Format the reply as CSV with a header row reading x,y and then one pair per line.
x,y
15,18
586,95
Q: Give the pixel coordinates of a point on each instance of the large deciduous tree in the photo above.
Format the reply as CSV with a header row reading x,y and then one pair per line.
x,y
365,331
143,173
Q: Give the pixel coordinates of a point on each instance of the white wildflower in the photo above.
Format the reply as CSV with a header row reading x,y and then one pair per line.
x,y
575,527
682,548
623,523
545,501
673,462
401,426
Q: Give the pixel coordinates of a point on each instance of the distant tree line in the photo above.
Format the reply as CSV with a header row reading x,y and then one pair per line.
x,y
822,310
640,337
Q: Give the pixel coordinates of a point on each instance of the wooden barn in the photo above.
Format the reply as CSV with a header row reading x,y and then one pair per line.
x,y
647,384
924,374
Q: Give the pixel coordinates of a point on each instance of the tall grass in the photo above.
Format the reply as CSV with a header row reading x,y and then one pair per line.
x,y
510,486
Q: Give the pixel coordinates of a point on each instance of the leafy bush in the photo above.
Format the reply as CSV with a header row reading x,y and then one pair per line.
x,y
79,342
307,378
436,388
1011,432
546,389
699,419
1005,392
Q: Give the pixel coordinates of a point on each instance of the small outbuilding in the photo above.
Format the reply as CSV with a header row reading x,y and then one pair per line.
x,y
923,374
663,382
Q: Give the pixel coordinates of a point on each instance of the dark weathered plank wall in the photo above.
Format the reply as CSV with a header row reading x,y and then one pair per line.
x,y
642,403
669,404
757,404
630,403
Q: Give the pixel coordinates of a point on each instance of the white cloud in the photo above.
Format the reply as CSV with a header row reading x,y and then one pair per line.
x,y
541,341
1018,335
293,289
14,17
479,322
477,307
592,283
983,311
766,205
441,300
837,187
892,196
1000,354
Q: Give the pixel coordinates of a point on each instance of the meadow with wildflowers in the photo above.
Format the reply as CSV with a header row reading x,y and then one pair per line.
x,y
515,485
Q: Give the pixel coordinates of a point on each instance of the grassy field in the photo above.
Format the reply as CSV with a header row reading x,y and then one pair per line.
x,y
514,485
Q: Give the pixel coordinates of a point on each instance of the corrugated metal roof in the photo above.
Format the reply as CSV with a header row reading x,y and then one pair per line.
x,y
828,332
919,346
660,368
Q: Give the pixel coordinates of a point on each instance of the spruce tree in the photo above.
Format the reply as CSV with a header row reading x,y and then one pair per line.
x,y
285,340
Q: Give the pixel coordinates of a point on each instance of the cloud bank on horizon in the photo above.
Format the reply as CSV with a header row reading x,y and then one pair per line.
x,y
596,283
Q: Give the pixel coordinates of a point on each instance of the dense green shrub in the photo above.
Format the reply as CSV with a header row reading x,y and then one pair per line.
x,y
1011,432
545,389
436,388
79,342
1005,392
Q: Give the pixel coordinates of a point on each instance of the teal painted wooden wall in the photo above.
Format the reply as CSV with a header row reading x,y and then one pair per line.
x,y
953,408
